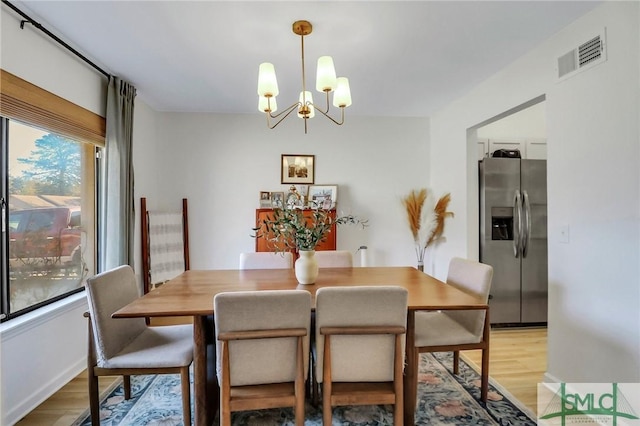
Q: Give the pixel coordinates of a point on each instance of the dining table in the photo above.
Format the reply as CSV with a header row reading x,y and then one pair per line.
x,y
191,294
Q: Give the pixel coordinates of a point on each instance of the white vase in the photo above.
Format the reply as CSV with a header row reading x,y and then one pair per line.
x,y
306,267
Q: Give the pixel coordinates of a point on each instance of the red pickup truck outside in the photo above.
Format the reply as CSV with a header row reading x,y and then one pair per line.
x,y
45,238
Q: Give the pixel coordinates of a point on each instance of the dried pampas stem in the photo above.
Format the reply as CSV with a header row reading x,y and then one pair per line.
x,y
414,203
441,215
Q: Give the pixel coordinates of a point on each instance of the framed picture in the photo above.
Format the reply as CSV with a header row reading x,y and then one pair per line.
x,y
303,190
265,199
297,168
323,196
277,200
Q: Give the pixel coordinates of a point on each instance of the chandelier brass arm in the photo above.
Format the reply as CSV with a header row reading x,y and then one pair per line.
x,y
286,113
339,123
326,111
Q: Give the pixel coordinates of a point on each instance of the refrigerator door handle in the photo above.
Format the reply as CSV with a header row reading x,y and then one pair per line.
x,y
526,236
517,212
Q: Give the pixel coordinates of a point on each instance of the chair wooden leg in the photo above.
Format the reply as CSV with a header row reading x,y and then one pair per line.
x,y
225,388
398,383
299,385
327,414
327,411
484,374
126,384
94,398
456,362
186,396
416,361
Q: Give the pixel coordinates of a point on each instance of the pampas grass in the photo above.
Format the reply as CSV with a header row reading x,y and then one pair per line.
x,y
426,222
414,203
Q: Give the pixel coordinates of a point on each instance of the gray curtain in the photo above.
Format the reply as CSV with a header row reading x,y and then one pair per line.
x,y
117,203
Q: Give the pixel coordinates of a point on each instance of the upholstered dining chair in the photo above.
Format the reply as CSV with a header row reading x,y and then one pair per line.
x,y
128,346
266,260
261,341
326,259
334,259
444,331
360,347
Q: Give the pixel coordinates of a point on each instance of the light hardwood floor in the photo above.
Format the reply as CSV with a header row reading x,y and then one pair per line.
x,y
517,362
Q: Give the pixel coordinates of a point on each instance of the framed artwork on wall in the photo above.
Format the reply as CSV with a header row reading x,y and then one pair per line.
x,y
323,196
297,168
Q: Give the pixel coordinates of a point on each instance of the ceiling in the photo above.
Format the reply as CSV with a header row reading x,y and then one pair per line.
x,y
402,58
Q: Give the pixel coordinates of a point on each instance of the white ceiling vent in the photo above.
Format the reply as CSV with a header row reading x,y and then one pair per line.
x,y
586,55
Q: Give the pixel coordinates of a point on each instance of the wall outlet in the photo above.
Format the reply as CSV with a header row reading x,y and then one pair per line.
x,y
564,234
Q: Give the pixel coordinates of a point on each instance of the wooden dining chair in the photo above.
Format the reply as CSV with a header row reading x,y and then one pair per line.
x,y
360,347
325,259
444,331
334,259
119,346
262,338
266,260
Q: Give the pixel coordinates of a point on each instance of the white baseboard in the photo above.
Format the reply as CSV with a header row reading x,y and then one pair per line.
x,y
549,378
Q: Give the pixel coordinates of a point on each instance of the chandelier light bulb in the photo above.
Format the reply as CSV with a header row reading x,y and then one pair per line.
x,y
326,74
342,97
306,101
267,82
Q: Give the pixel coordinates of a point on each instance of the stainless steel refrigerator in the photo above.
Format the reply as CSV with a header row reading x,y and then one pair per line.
x,y
513,238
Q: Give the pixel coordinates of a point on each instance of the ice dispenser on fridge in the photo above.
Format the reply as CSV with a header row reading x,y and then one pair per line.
x,y
502,223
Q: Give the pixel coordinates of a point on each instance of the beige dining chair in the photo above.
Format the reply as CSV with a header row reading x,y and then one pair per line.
x,y
266,260
326,259
360,347
334,259
262,338
444,331
119,346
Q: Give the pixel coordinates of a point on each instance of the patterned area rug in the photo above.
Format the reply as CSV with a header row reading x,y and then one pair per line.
x,y
443,399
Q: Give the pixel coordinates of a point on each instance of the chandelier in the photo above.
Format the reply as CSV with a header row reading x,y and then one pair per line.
x,y
326,82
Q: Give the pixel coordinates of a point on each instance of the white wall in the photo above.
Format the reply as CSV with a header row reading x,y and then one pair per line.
x,y
222,162
530,123
42,351
34,57
593,187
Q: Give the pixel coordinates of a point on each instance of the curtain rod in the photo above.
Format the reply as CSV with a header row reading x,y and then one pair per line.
x,y
27,19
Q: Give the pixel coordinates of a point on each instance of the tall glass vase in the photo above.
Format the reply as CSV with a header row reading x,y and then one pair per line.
x,y
420,266
306,267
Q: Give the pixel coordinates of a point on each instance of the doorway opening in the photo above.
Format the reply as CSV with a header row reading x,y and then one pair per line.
x,y
509,199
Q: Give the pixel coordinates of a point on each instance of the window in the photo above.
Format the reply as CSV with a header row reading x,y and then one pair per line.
x,y
51,192
48,196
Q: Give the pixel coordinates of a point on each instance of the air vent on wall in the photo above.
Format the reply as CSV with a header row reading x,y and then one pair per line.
x,y
584,56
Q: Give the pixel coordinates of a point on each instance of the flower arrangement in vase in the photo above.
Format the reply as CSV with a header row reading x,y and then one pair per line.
x,y
426,223
292,230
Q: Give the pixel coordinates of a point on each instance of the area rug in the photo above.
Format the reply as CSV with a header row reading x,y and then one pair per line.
x,y
443,399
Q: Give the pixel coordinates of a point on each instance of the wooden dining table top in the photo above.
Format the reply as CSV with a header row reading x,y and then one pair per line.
x,y
192,292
